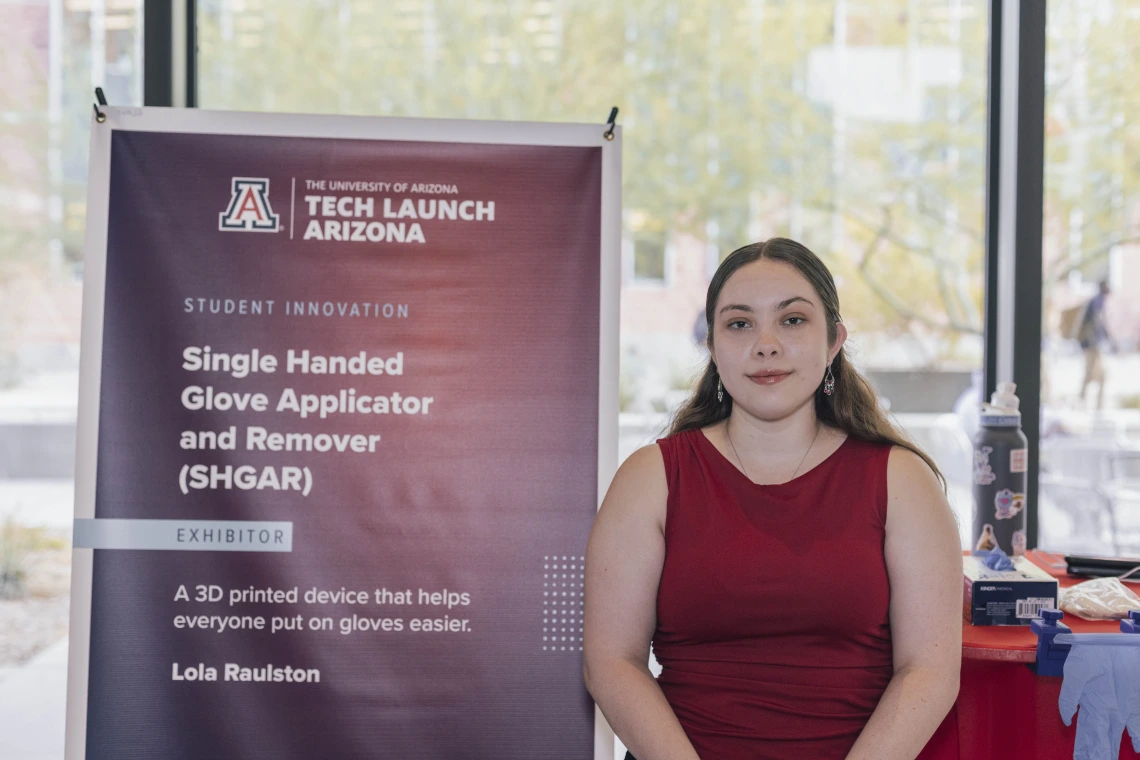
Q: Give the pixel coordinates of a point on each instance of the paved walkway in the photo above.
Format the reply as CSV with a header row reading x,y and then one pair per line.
x,y
33,701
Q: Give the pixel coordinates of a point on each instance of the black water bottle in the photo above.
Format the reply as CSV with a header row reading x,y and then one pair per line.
x,y
1001,464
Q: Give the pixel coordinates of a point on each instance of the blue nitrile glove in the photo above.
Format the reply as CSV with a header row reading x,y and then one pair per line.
x,y
1100,676
1131,681
995,559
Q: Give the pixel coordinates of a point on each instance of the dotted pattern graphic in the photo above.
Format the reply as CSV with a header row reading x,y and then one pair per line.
x,y
563,592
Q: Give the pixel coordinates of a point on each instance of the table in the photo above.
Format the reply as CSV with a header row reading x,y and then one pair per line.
x,y
1005,711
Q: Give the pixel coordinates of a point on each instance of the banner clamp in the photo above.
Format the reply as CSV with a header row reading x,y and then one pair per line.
x,y
610,122
99,115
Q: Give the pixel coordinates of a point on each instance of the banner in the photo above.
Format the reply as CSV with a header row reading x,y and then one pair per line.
x,y
348,404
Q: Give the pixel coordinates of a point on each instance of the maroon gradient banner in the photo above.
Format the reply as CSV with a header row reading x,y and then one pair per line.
x,y
347,449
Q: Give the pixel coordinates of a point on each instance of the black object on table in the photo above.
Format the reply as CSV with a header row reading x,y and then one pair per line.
x,y
1100,567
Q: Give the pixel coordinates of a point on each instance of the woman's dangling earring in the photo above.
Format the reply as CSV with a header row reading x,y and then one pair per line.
x,y
719,391
828,382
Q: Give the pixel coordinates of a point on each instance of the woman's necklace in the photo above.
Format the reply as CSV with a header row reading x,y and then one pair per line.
x,y
728,435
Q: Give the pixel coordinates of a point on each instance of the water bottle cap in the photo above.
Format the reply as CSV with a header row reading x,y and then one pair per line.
x,y
1005,397
1002,411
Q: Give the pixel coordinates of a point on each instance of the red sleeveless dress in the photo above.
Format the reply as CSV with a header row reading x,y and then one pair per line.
x,y
773,629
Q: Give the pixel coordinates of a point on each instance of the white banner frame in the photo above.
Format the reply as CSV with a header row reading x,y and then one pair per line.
x,y
194,121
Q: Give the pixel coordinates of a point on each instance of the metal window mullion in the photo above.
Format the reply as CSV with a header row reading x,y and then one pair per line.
x,y
1007,185
1029,226
170,60
1014,217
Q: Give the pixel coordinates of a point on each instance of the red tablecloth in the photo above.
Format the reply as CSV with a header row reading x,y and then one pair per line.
x,y
1004,711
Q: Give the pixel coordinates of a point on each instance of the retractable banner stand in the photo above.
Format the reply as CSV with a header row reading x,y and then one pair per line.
x,y
348,404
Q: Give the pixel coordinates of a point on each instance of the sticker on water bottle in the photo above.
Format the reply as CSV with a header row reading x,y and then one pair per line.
x,y
1007,504
1019,460
983,472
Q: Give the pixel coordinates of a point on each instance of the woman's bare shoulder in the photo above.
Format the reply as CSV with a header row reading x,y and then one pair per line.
x,y
639,489
644,468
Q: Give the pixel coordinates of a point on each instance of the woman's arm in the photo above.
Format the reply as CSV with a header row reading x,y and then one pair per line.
x,y
924,563
623,569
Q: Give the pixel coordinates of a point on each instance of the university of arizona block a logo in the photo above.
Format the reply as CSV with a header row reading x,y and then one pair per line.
x,y
249,209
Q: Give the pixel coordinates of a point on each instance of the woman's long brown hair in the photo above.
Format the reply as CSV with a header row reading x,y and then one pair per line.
x,y
853,407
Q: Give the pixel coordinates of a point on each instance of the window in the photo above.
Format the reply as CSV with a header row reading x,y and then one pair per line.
x,y
1090,424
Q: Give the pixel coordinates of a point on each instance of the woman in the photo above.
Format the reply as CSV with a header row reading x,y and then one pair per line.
x,y
790,555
